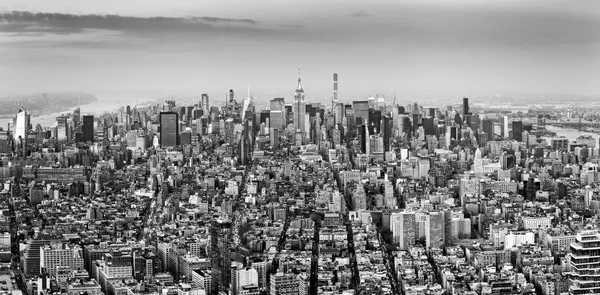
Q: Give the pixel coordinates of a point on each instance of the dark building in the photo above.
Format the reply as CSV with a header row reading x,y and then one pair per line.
x,y
517,128
361,111
488,128
169,129
220,256
88,129
406,126
375,119
429,126
465,106
264,115
473,121
362,136
386,132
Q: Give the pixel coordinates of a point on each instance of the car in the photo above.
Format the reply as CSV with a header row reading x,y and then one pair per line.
x,y
4,288
3,282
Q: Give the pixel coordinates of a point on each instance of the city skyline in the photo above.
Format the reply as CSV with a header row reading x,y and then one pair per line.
x,y
410,47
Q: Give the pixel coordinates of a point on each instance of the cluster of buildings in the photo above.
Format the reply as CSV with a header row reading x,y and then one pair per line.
x,y
299,198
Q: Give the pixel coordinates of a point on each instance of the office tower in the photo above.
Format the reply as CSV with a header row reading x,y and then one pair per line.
x,y
128,118
488,128
204,103
583,263
375,120
386,132
169,129
299,110
220,255
277,115
231,100
21,123
465,106
434,230
362,137
429,126
505,126
361,112
229,135
371,101
473,121
517,128
335,90
88,128
62,128
403,226
380,103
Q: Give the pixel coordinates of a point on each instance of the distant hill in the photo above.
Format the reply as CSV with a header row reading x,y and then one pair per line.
x,y
42,103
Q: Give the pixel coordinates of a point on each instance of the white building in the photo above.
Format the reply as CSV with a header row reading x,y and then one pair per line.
x,y
518,238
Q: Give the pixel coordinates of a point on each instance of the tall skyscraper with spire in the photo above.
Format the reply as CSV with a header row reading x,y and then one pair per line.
x,y
299,110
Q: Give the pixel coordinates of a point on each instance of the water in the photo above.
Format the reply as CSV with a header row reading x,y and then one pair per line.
x,y
570,133
104,104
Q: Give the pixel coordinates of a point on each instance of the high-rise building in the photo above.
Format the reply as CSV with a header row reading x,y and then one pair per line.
x,y
21,123
229,135
517,129
488,128
505,127
465,106
220,255
403,227
299,110
204,103
361,112
87,128
169,129
583,263
434,230
335,90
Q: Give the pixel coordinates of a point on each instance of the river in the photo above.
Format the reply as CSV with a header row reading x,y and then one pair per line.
x,y
570,133
104,104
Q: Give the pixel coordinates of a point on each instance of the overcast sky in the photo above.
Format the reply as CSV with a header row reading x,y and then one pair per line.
x,y
414,47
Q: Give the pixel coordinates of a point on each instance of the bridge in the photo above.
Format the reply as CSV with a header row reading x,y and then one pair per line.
x,y
580,125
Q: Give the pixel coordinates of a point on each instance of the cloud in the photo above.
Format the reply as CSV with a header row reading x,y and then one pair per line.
x,y
61,23
361,13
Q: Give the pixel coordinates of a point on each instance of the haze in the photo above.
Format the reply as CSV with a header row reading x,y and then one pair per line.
x,y
409,47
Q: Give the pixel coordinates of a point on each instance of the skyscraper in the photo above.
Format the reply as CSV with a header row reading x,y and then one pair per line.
x,y
517,128
465,106
169,129
583,266
21,123
335,90
88,128
488,128
299,110
505,127
434,230
204,104
220,255
403,226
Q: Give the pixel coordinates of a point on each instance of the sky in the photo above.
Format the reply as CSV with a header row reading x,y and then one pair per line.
x,y
409,47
